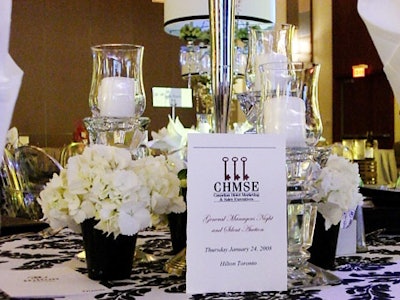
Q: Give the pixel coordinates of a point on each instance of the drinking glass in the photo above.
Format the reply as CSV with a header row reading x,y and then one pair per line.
x,y
204,60
190,61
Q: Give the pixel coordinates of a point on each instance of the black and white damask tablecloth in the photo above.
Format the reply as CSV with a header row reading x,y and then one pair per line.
x,y
372,275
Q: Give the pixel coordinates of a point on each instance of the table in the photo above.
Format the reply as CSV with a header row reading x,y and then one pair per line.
x,y
372,275
11,225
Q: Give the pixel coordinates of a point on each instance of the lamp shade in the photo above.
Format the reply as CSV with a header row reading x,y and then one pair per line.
x,y
177,13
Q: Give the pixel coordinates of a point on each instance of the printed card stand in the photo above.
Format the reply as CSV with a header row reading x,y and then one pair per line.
x,y
172,97
236,232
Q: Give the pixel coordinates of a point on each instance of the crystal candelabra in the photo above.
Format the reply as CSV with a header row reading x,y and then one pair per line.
x,y
288,107
301,214
195,61
302,165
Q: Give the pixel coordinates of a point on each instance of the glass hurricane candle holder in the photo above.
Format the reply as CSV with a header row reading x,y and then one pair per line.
x,y
290,102
117,86
309,92
283,111
265,46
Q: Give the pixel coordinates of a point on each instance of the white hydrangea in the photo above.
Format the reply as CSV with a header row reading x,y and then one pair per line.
x,y
104,183
338,189
161,178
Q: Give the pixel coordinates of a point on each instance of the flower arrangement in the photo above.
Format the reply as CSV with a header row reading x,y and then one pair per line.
x,y
337,189
105,184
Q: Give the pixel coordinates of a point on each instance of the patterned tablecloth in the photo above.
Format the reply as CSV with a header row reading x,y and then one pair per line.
x,y
372,275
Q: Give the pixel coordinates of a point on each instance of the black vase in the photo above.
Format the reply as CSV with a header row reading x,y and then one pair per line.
x,y
323,249
177,226
107,258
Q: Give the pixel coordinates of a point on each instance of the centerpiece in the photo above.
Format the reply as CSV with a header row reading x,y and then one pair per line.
x,y
109,197
338,189
337,185
172,141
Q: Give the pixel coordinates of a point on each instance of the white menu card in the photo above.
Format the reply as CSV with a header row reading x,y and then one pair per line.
x,y
236,205
48,283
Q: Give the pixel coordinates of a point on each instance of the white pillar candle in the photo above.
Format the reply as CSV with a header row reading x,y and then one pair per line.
x,y
267,58
204,123
116,97
295,122
286,115
204,127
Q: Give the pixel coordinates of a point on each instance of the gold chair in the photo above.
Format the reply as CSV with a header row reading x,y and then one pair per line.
x,y
36,166
24,175
9,175
70,150
12,199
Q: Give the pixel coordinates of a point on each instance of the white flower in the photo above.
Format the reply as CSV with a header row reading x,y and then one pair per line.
x,y
133,216
171,140
163,182
338,189
104,183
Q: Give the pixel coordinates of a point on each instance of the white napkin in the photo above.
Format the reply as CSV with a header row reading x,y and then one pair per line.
x,y
10,74
381,18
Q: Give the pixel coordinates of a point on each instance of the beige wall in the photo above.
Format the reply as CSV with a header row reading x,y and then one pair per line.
x,y
322,51
50,40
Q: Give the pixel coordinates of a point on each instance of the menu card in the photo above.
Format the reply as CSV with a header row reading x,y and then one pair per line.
x,y
48,283
236,205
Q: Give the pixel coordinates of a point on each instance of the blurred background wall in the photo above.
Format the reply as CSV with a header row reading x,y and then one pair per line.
x,y
51,40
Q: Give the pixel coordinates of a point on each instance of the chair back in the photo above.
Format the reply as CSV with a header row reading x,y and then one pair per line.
x,y
36,167
24,174
71,150
10,177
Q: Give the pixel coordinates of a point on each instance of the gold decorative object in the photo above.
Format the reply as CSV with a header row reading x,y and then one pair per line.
x,y
177,264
